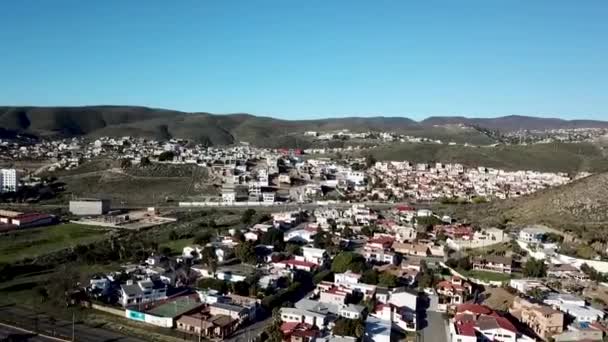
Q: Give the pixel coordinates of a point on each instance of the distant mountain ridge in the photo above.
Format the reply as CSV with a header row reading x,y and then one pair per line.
x,y
515,122
215,129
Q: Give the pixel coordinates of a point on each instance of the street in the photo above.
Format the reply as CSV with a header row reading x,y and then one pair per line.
x,y
21,335
60,328
250,332
436,329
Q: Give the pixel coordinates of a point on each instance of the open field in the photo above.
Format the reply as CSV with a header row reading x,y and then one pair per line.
x,y
540,157
30,243
487,276
136,187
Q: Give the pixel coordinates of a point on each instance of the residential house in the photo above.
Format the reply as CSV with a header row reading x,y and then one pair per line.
x,y
305,235
142,292
314,255
233,311
531,235
575,307
566,271
544,320
417,249
453,292
493,263
304,316
474,322
296,264
200,324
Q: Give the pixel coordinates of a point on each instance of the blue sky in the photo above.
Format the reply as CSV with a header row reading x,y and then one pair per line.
x,y
310,59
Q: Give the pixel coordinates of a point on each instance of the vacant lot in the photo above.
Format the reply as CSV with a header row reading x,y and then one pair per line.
x,y
30,243
136,186
488,276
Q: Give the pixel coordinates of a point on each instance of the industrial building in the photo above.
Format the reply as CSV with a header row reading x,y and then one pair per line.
x,y
89,207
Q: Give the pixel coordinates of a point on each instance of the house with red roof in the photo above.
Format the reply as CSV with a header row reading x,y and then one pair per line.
x,y
474,322
454,291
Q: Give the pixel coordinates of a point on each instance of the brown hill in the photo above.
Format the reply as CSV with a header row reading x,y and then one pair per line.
x,y
580,207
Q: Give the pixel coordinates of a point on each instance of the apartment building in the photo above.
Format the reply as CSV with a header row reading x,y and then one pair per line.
x,y
9,181
544,320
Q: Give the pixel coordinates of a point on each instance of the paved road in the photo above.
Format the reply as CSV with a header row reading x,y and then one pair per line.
x,y
250,332
20,335
41,323
436,329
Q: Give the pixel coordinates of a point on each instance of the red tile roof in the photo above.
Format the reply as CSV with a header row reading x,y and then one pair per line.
x,y
466,329
474,308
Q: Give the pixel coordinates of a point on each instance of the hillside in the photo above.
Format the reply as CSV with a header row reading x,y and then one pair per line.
x,y
230,128
565,157
580,207
515,122
164,124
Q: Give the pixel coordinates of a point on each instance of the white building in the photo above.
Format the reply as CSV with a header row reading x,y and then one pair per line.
x,y
531,235
314,255
9,182
294,315
144,291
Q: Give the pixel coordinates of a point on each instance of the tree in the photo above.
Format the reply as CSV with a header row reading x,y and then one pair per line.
x,y
42,293
464,263
241,288
323,240
166,156
537,294
145,161
239,236
125,163
368,231
387,279
215,284
274,330
370,160
273,237
203,238
173,235
348,261
294,249
248,216
208,255
535,268
246,252
349,327
369,277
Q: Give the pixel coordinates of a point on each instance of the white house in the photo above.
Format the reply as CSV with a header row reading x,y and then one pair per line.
x,y
300,235
575,307
144,291
351,311
251,236
402,298
294,315
531,235
314,255
347,277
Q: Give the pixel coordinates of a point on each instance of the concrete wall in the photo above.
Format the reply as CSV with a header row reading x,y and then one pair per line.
x,y
107,309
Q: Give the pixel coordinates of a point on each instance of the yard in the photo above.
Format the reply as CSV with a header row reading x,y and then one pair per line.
x,y
177,245
33,242
487,276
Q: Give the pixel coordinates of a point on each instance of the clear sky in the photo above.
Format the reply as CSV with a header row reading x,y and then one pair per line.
x,y
310,59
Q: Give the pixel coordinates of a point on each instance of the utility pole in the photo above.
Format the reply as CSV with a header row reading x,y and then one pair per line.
x,y
73,321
